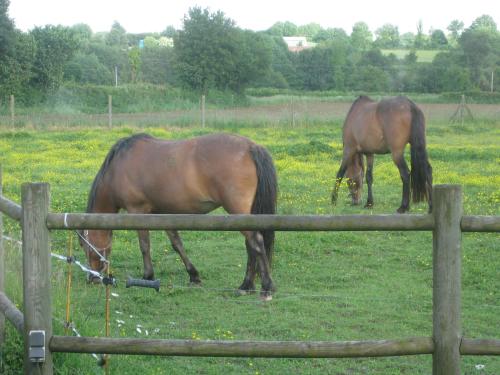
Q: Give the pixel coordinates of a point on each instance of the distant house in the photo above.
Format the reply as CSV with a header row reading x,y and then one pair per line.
x,y
297,43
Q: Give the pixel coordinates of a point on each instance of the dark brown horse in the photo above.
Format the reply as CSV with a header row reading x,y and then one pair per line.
x,y
381,128
142,174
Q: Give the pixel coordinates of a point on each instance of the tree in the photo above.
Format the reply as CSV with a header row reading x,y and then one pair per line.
x,y
111,57
484,23
134,58
371,78
157,65
169,32
387,36
86,68
83,34
211,52
55,46
438,39
310,30
324,35
283,29
282,72
420,37
455,28
408,40
16,68
315,69
117,36
480,44
7,34
361,36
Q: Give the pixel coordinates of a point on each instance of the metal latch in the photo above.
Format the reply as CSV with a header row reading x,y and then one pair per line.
x,y
36,342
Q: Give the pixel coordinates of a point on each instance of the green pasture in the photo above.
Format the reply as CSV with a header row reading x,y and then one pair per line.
x,y
331,286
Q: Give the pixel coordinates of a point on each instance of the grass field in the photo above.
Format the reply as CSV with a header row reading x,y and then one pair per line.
x,y
331,286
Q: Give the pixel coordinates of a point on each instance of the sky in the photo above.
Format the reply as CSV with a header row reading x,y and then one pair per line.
x,y
156,15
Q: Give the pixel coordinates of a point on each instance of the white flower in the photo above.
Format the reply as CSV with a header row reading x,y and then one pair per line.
x,y
479,367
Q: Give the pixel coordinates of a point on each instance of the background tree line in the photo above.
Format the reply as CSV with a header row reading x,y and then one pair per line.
x,y
210,52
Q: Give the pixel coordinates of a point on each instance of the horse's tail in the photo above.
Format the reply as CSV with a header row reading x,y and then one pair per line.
x,y
421,170
266,194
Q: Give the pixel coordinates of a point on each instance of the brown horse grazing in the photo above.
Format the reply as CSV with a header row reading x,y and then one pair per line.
x,y
142,174
381,128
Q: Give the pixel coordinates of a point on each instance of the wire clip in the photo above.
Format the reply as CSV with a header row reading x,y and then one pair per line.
x,y
109,280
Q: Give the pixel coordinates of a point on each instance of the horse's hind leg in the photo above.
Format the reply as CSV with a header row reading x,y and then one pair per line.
x,y
369,179
176,241
404,172
144,244
256,249
248,285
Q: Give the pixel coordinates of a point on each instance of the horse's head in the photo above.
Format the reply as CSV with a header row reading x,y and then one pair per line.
x,y
355,173
97,247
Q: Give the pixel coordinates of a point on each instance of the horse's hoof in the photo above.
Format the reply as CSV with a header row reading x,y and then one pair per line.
x,y
195,283
369,205
244,292
402,210
195,280
266,296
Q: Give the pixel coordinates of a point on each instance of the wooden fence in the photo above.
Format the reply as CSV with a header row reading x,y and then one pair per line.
x,y
447,224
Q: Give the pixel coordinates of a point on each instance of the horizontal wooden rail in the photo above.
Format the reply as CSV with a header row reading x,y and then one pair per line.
x,y
480,347
10,208
274,349
480,224
12,314
241,222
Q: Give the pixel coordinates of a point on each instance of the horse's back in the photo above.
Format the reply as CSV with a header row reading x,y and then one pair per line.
x,y
378,127
362,131
187,176
394,115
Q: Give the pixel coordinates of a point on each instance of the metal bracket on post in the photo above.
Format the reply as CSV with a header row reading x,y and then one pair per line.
x,y
36,343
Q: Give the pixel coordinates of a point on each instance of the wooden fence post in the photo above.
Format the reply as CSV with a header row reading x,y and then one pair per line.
x,y
447,330
2,273
110,111
12,107
36,272
203,111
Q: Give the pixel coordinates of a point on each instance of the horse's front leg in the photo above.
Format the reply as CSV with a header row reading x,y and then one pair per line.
x,y
404,172
338,179
369,179
175,240
146,254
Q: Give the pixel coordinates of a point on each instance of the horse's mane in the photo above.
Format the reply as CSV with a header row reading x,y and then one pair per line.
x,y
121,145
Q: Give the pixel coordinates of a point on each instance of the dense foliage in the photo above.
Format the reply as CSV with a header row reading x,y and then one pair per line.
x,y
210,52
